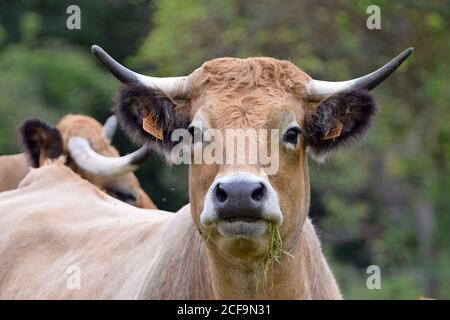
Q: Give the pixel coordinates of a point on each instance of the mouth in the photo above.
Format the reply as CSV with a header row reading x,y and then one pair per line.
x,y
242,227
209,217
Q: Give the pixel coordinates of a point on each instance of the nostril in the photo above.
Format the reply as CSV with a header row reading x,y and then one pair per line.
x,y
221,195
258,193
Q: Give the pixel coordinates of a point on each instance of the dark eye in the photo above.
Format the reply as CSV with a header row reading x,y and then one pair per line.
x,y
124,196
291,136
196,134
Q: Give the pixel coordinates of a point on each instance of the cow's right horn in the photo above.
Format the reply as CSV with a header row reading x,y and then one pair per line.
x,y
87,159
174,87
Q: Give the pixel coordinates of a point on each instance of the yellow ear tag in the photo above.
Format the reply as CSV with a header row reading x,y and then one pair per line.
x,y
149,125
333,133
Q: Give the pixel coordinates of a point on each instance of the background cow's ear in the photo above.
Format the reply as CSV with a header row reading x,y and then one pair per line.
x,y
338,120
40,141
149,117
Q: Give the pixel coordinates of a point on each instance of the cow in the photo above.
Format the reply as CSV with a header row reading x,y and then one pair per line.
x,y
73,138
244,235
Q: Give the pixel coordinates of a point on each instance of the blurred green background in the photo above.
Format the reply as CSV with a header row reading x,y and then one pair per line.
x,y
385,202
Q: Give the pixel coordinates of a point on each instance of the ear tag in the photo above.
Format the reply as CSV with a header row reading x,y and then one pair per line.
x,y
334,132
149,125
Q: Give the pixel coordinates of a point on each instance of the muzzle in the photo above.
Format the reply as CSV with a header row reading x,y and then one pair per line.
x,y
241,197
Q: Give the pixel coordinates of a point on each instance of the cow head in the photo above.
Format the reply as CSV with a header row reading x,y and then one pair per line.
x,y
77,137
236,205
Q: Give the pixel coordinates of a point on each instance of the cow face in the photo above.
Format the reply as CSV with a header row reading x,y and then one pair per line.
x,y
238,205
43,141
234,204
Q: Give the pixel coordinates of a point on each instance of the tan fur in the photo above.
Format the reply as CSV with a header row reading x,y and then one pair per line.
x,y
260,93
13,168
57,219
122,252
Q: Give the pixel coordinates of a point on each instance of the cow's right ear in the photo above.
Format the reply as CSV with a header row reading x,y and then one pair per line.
x,y
149,117
40,141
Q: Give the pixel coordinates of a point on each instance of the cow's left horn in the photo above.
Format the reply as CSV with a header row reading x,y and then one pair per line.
x,y
110,127
175,87
87,159
317,90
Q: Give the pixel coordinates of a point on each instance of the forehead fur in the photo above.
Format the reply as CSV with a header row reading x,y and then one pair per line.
x,y
86,127
244,92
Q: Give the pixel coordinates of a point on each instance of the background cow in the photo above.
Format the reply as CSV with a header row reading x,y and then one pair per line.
x,y
13,168
43,141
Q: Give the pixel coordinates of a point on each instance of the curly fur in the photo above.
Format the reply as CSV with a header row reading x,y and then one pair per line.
x,y
136,102
354,109
39,136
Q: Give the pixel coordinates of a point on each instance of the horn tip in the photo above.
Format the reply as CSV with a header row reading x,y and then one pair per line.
x,y
405,54
112,117
95,49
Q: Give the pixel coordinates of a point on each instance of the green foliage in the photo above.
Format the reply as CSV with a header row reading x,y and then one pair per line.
x,y
30,25
48,83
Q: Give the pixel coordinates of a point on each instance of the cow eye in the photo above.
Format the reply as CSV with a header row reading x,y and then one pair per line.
x,y
292,134
196,134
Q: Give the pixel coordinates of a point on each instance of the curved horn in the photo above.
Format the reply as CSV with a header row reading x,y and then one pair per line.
x,y
110,127
87,159
316,90
175,87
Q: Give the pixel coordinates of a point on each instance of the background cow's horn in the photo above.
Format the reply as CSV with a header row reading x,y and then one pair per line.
x,y
317,90
110,127
175,87
87,159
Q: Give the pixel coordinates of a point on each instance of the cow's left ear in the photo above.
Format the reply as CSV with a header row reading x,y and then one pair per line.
x,y
338,120
40,141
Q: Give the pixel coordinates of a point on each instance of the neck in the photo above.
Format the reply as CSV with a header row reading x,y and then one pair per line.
x,y
187,268
303,273
231,280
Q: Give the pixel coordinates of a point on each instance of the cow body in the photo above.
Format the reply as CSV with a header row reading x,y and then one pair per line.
x,y
41,237
13,168
122,252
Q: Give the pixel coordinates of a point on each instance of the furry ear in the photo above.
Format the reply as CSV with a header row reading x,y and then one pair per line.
x,y
40,141
149,117
339,120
